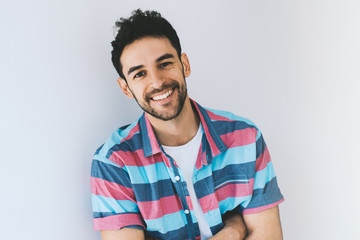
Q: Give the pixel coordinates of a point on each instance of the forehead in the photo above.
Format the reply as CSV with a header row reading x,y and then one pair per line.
x,y
145,51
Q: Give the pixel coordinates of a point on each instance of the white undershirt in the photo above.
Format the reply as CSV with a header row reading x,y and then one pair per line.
x,y
185,157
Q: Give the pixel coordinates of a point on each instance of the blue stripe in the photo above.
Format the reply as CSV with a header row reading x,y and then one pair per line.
x,y
108,214
180,233
105,204
124,127
240,171
154,191
265,199
270,186
116,138
204,187
218,142
130,145
224,127
264,176
215,229
260,146
110,173
148,174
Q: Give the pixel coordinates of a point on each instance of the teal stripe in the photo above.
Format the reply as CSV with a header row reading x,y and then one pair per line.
x,y
232,202
193,216
213,217
167,223
116,138
235,155
264,176
202,174
104,160
105,204
148,174
230,116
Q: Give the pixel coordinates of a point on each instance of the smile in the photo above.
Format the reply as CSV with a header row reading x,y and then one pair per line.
x,y
163,96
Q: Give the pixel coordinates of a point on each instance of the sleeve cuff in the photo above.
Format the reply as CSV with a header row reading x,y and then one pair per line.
x,y
118,221
264,201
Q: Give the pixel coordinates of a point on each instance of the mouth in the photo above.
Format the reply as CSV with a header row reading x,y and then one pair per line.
x,y
162,96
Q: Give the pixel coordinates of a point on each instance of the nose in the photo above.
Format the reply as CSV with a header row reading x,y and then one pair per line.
x,y
156,78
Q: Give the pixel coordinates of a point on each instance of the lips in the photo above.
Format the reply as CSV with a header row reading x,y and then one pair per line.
x,y
163,96
163,92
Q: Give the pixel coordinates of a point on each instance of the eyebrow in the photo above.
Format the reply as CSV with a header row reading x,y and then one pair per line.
x,y
134,69
165,56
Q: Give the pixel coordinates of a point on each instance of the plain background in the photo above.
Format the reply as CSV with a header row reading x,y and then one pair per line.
x,y
292,67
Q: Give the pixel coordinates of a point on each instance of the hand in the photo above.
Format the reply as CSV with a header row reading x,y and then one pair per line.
x,y
234,229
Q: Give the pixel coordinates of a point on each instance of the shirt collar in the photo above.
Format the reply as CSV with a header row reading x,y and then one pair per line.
x,y
151,144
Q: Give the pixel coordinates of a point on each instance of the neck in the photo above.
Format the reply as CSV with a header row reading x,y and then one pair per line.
x,y
177,131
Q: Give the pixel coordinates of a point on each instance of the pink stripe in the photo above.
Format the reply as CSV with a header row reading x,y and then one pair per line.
x,y
263,160
117,221
189,202
234,189
134,130
216,117
153,141
201,158
209,202
159,208
259,209
110,189
136,158
243,137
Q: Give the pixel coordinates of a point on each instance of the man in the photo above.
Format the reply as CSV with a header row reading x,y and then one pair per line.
x,y
181,171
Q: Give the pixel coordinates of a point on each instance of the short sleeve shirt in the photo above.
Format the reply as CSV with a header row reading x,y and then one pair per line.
x,y
135,184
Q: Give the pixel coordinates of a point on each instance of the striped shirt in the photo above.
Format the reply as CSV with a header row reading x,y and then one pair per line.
x,y
134,183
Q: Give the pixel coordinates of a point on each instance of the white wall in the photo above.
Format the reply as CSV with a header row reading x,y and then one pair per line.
x,y
293,67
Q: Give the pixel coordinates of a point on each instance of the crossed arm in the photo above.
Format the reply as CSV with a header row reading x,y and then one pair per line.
x,y
264,225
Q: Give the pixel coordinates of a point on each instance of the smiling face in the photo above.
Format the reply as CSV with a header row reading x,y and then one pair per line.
x,y
155,76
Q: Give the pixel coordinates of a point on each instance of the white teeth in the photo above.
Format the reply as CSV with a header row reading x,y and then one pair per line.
x,y
163,96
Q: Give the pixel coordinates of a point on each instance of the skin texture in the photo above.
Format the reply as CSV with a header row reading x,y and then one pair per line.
x,y
152,68
264,225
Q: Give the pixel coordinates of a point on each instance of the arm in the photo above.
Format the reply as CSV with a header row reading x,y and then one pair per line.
x,y
124,233
264,225
234,229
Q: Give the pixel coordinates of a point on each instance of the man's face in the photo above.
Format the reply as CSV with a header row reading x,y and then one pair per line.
x,y
155,76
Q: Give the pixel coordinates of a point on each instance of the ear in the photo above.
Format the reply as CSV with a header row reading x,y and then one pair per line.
x,y
186,64
125,88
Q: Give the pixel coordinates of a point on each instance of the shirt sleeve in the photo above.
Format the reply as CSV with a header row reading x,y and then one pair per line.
x,y
113,199
265,193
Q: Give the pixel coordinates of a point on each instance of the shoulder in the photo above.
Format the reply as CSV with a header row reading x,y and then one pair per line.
x,y
123,139
221,119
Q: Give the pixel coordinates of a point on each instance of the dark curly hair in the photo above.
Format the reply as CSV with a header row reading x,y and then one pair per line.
x,y
141,24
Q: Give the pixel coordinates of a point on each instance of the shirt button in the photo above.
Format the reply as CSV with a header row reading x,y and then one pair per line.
x,y
187,211
177,178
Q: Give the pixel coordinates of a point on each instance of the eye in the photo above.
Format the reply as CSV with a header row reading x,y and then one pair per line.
x,y
164,64
139,74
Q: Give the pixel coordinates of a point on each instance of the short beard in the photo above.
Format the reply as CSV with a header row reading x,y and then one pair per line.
x,y
181,99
